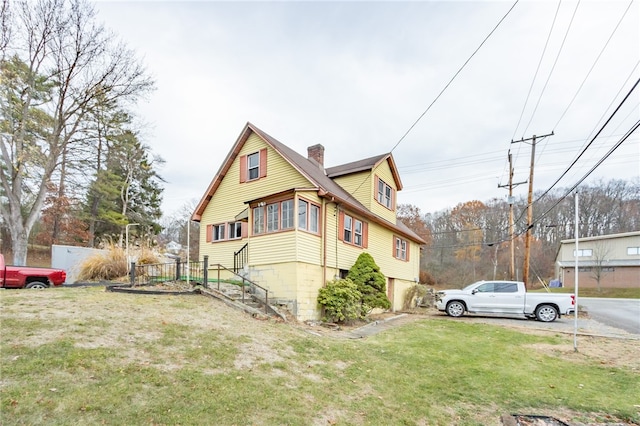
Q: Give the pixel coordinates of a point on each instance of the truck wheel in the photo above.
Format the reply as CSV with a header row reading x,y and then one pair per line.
x,y
455,309
37,285
546,313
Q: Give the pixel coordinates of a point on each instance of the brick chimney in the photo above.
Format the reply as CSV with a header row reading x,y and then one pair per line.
x,y
316,153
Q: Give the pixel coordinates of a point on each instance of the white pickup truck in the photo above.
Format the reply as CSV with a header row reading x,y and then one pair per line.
x,y
504,297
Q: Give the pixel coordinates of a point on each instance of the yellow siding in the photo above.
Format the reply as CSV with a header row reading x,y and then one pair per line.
x,y
309,248
230,197
272,248
220,252
359,186
290,263
383,171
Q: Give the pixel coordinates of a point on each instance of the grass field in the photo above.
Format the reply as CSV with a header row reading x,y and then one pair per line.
x,y
84,356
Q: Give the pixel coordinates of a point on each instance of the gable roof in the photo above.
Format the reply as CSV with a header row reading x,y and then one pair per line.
x,y
366,165
314,173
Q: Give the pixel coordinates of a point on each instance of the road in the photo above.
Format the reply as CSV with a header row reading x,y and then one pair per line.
x,y
619,313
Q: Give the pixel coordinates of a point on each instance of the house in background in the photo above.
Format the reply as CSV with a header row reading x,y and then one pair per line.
x,y
297,225
610,261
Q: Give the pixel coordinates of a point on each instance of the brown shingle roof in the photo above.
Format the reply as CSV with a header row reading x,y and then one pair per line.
x,y
315,174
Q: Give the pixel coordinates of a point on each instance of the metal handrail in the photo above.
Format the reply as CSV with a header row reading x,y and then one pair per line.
x,y
220,267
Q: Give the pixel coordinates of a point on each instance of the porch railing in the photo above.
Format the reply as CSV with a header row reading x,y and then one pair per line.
x,y
240,258
199,273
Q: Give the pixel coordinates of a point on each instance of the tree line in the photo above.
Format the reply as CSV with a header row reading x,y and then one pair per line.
x,y
471,241
74,168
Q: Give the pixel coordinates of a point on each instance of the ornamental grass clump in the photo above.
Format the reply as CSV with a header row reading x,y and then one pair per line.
x,y
104,266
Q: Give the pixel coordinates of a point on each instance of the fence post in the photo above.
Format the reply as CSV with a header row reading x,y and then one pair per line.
x,y
205,273
132,274
177,269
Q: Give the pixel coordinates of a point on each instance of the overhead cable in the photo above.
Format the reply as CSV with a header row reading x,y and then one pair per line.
x,y
454,77
594,64
535,75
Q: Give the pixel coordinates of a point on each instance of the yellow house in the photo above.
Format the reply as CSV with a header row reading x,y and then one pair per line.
x,y
296,225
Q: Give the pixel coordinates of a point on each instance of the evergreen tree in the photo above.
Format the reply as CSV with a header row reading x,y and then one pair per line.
x,y
365,273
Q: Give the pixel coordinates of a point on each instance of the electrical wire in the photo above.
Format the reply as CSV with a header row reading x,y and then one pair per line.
x,y
535,75
594,64
570,190
590,142
454,77
555,62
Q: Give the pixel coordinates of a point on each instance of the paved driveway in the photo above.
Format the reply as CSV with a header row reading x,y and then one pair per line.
x,y
619,313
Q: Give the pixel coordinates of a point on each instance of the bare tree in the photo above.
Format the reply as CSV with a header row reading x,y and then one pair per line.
x,y
57,62
601,252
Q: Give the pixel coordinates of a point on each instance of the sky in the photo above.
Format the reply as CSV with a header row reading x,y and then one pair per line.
x,y
365,78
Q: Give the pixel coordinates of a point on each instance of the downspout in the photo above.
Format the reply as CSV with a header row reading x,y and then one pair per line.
x,y
324,243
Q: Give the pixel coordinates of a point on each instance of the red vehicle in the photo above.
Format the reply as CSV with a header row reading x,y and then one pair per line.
x,y
29,277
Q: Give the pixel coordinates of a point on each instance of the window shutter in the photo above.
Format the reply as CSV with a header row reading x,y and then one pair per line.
x,y
209,233
263,162
365,235
244,229
341,226
408,246
394,241
393,199
243,168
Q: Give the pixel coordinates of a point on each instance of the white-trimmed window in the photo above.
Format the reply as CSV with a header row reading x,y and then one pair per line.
x,y
348,228
225,231
357,232
218,232
633,251
401,249
258,220
385,194
302,214
253,166
583,253
314,218
308,216
287,214
273,217
235,230
352,230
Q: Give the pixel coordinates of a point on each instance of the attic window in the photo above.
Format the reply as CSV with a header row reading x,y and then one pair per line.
x,y
253,166
385,194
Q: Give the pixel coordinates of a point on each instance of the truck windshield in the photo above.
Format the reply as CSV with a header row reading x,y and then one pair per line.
x,y
470,286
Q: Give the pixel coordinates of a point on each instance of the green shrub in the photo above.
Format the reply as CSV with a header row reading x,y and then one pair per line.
x,y
340,300
371,283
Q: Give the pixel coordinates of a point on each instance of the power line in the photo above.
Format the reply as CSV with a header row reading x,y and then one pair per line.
x,y
570,190
535,75
454,77
592,140
553,66
594,64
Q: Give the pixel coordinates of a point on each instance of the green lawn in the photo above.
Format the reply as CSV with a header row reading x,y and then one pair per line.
x,y
84,356
624,293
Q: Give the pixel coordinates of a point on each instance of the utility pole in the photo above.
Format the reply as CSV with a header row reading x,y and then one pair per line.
x,y
527,241
512,272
